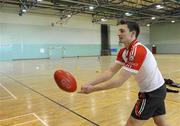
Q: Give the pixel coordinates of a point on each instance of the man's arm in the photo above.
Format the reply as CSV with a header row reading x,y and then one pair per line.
x,y
118,81
106,75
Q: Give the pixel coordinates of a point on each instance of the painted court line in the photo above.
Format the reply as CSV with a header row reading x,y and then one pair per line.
x,y
40,119
5,97
26,122
57,103
2,99
33,114
16,117
8,91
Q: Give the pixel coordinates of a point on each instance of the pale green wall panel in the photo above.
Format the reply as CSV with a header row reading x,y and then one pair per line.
x,y
166,37
35,51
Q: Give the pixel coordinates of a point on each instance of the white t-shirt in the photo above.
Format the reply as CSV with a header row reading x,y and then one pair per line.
x,y
140,61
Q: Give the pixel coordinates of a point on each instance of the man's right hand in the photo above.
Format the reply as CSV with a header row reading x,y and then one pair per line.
x,y
86,89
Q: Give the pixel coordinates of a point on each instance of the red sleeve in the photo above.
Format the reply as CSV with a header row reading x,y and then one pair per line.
x,y
119,58
136,59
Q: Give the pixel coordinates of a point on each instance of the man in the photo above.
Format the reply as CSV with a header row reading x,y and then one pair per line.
x,y
135,59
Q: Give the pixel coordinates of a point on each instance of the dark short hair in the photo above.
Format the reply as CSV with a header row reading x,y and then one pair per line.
x,y
133,26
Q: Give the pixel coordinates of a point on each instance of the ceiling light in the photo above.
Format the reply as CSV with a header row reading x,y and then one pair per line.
x,y
173,21
91,8
159,6
24,10
128,14
148,25
103,20
153,18
69,15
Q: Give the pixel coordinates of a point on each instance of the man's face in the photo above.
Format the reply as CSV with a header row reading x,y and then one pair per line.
x,y
124,34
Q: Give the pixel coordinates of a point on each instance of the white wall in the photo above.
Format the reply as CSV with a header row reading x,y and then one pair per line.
x,y
34,28
144,37
37,28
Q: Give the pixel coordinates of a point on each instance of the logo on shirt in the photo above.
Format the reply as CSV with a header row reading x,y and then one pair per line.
x,y
131,58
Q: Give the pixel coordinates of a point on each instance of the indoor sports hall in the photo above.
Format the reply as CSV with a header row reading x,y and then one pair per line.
x,y
40,37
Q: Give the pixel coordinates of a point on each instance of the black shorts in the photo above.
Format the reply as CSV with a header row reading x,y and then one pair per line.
x,y
150,104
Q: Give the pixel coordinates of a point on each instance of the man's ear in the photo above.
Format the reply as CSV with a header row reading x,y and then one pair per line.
x,y
133,33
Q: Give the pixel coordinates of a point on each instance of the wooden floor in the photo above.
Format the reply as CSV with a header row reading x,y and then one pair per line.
x,y
30,97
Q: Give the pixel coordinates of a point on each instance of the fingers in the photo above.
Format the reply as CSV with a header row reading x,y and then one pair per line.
x,y
86,89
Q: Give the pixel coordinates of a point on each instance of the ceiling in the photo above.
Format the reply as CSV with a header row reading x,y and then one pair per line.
x,y
140,10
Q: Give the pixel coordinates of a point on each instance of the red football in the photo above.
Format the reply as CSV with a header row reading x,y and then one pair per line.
x,y
65,80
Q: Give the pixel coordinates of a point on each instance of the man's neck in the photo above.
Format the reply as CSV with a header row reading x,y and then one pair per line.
x,y
127,44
